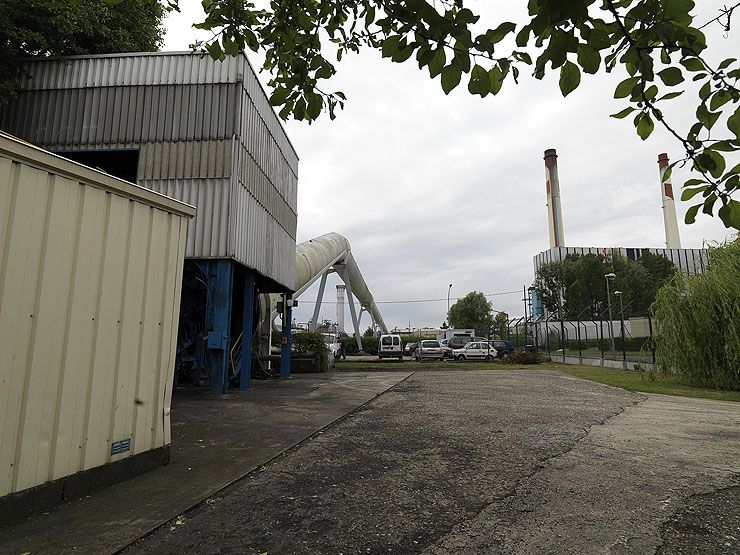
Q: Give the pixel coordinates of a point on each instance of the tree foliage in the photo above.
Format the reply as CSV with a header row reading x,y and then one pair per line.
x,y
580,279
697,319
473,311
38,28
655,44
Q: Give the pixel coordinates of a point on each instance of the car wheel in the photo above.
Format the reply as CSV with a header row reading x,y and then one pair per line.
x,y
400,358
489,358
460,358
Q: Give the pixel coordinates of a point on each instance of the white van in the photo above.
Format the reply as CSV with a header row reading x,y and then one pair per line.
x,y
390,346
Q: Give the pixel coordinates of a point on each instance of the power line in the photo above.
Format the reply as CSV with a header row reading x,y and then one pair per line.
x,y
410,301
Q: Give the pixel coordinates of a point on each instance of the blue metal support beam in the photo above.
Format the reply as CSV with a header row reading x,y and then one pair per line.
x,y
286,339
245,373
218,322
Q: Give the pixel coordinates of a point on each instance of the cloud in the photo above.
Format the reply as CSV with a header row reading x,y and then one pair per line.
x,y
433,189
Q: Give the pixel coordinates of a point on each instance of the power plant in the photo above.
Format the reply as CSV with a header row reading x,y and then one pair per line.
x,y
691,261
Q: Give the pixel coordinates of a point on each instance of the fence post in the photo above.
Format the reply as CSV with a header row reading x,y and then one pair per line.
x,y
580,347
601,338
652,342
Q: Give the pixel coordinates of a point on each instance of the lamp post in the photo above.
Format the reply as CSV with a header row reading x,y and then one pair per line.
x,y
621,315
607,277
449,288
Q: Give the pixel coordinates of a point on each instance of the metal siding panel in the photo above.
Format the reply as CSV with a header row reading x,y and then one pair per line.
x,y
71,286
18,279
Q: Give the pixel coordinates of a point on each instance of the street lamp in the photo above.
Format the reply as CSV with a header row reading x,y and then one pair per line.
x,y
621,315
449,288
607,277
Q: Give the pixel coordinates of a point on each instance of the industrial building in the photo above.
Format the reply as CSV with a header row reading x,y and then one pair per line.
x,y
201,131
90,276
691,261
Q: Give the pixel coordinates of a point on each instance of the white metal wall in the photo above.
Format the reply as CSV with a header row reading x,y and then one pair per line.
x,y
197,124
90,277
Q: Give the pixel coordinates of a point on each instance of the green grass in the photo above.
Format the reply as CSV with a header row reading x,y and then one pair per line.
x,y
642,381
626,379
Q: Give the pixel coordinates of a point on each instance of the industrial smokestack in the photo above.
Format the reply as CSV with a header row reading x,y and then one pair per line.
x,y
672,238
340,308
554,212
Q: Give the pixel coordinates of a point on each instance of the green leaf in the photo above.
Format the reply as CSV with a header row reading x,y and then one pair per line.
x,y
501,31
687,194
480,81
497,79
214,49
691,214
733,123
644,124
711,161
707,118
671,76
671,95
451,75
588,58
390,46
726,63
730,214
315,105
624,89
279,96
437,62
624,113
692,64
570,78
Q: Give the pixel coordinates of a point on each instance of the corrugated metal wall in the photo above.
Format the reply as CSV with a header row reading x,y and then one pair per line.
x,y
90,278
202,127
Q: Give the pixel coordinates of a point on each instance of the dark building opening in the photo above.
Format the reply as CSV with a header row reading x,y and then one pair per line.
x,y
122,163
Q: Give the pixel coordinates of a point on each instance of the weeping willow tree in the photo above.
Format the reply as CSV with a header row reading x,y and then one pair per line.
x,y
698,323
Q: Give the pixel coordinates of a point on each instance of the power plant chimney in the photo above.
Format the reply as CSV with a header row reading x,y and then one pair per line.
x,y
672,239
554,212
340,308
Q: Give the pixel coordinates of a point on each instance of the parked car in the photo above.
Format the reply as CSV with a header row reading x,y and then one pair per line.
x,y
390,346
446,348
410,348
429,349
458,342
475,350
503,348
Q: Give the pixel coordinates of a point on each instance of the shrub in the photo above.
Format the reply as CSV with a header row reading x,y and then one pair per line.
x,y
523,357
312,345
697,320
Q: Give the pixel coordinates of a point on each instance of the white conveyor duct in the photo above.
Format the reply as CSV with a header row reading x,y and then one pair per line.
x,y
318,257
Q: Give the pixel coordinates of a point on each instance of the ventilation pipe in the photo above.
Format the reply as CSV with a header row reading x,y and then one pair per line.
x,y
672,238
340,308
554,213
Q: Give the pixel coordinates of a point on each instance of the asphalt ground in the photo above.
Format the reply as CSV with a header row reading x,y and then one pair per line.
x,y
488,461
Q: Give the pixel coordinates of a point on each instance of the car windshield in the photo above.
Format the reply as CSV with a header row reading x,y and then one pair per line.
x,y
386,340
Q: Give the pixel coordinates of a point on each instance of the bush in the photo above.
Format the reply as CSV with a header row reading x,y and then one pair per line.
x,y
523,357
697,323
311,345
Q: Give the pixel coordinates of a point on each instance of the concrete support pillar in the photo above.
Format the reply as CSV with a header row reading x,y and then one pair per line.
x,y
286,338
351,301
319,300
218,322
245,373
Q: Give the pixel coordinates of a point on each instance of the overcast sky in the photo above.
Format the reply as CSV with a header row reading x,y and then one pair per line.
x,y
433,189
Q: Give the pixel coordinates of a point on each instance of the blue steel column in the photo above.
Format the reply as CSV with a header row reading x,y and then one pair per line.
x,y
220,288
286,339
245,373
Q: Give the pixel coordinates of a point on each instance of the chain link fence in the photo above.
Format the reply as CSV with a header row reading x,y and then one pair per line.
x,y
624,343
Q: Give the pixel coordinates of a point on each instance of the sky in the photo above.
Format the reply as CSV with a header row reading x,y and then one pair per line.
x,y
432,190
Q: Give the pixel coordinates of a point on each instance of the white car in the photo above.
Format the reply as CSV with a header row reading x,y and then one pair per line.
x,y
332,343
475,350
429,348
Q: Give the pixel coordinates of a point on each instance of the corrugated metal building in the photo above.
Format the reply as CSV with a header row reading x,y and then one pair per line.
x,y
691,261
200,131
90,276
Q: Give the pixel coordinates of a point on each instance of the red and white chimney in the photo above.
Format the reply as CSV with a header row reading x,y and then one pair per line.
x,y
554,212
672,238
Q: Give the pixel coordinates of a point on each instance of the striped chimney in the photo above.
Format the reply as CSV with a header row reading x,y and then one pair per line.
x,y
340,307
554,212
672,238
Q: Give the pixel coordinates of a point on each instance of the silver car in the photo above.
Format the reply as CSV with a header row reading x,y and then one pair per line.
x,y
429,349
475,350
